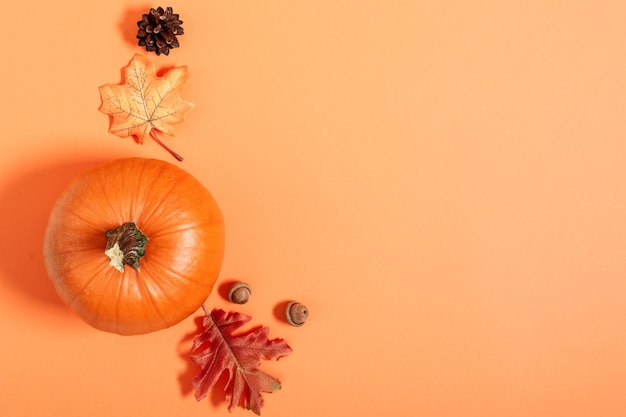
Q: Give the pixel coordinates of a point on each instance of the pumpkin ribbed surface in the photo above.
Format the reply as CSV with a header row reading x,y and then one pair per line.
x,y
183,254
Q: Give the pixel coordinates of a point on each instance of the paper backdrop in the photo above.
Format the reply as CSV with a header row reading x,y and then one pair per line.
x,y
440,182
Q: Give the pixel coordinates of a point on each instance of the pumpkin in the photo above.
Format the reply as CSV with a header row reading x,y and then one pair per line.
x,y
134,245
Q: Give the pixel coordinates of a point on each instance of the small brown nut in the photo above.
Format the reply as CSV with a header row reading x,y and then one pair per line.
x,y
239,293
296,313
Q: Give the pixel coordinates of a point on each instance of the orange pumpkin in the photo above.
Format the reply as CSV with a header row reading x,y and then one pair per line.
x,y
134,245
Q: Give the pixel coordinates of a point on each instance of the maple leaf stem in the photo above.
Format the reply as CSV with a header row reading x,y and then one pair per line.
x,y
157,140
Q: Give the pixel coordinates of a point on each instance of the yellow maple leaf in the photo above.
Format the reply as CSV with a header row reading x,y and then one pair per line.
x,y
146,103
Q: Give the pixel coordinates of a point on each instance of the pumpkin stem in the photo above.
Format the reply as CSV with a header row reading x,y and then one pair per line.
x,y
126,245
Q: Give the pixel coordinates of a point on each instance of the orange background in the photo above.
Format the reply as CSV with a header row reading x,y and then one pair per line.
x,y
441,182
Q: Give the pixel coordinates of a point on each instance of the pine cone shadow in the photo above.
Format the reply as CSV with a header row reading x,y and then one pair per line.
x,y
128,23
25,205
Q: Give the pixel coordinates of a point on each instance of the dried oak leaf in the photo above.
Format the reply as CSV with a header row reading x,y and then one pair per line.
x,y
217,350
146,103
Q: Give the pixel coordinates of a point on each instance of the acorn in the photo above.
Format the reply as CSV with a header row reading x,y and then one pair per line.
x,y
239,293
296,313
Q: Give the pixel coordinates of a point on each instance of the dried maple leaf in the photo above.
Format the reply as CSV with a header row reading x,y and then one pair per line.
x,y
217,350
146,103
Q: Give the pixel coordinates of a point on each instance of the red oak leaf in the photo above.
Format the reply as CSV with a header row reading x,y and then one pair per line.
x,y
217,350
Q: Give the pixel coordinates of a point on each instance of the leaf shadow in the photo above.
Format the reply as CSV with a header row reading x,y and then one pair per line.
x,y
25,205
184,350
164,69
217,395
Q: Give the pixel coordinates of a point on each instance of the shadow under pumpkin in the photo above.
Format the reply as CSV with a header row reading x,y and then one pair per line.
x,y
25,205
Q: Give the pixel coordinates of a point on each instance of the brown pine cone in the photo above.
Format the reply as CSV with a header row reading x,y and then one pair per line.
x,y
158,30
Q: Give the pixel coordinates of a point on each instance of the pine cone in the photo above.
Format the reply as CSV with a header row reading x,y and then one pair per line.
x,y
158,30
